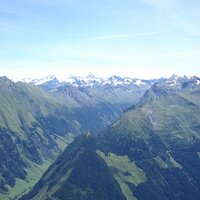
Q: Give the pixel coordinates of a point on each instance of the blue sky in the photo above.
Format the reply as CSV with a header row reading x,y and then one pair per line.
x,y
138,38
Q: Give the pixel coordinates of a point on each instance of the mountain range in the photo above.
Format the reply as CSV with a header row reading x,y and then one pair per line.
x,y
102,100
139,141
150,152
37,121
88,80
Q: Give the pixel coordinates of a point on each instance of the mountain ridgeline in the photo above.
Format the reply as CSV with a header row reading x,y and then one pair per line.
x,y
102,101
37,121
151,153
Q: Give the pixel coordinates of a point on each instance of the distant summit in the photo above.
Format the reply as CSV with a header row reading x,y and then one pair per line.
x,y
89,80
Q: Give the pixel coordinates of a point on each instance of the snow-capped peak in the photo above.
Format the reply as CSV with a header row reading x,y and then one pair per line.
x,y
139,82
37,81
90,76
90,80
40,81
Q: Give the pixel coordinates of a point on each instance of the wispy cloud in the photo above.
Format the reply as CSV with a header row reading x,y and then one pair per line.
x,y
121,36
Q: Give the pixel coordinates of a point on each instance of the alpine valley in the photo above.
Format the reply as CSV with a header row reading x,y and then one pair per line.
x,y
40,117
130,139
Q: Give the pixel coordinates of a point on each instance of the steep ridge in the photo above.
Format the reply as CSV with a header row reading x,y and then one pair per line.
x,y
79,173
161,136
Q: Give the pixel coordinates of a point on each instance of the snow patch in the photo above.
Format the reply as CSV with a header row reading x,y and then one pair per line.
x,y
174,83
36,81
139,82
43,80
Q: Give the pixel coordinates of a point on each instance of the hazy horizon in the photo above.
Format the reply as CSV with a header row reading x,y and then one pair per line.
x,y
64,77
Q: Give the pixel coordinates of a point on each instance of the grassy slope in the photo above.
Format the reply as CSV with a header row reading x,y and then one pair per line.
x,y
124,172
22,186
22,106
21,103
